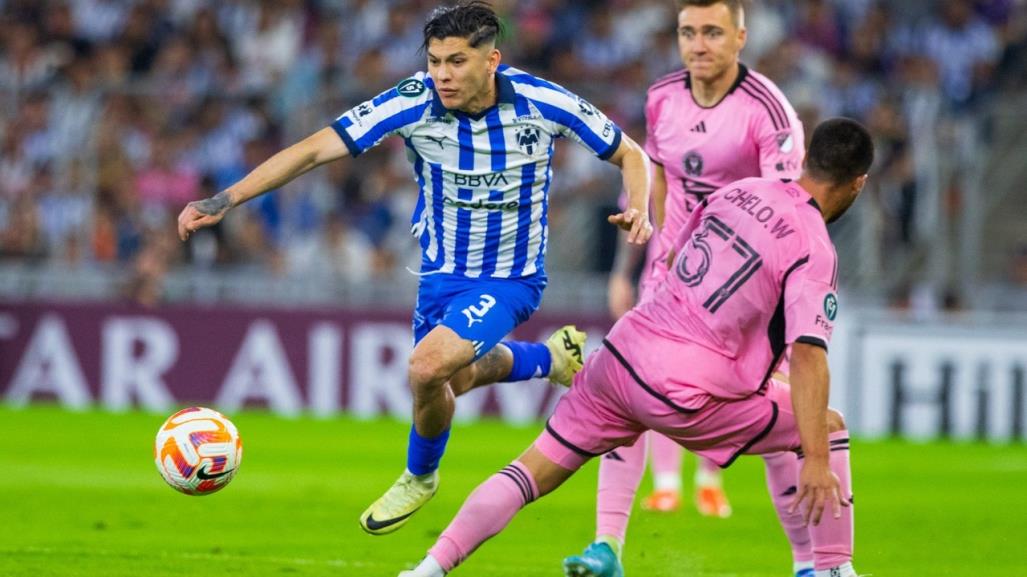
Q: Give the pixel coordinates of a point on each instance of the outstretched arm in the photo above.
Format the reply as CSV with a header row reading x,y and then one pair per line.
x,y
634,168
317,149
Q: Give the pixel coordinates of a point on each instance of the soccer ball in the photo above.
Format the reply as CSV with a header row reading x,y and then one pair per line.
x,y
197,451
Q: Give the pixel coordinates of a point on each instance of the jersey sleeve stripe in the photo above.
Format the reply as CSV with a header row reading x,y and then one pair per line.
x,y
811,340
339,126
769,98
385,97
525,78
617,135
781,106
591,139
391,124
770,111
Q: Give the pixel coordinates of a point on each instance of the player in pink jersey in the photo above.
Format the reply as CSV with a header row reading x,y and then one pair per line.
x,y
753,272
710,124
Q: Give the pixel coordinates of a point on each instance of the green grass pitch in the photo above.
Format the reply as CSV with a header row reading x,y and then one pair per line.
x,y
80,496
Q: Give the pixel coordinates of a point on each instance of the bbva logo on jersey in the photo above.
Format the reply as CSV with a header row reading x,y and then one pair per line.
x,y
529,138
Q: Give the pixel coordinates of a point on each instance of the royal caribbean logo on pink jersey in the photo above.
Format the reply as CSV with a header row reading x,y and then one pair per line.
x,y
831,306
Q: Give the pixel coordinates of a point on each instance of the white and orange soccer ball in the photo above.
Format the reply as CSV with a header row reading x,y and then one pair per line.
x,y
197,451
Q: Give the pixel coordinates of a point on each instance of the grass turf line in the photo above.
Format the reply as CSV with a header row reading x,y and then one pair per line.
x,y
80,496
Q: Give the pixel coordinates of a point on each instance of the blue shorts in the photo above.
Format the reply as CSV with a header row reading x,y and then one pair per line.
x,y
482,311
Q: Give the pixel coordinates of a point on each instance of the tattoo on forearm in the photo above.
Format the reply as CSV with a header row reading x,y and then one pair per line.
x,y
214,205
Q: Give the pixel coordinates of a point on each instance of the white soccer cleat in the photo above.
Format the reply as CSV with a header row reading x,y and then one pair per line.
x,y
844,570
803,569
408,494
428,567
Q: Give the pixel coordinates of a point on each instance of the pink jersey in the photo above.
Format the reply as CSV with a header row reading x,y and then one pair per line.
x,y
753,131
755,271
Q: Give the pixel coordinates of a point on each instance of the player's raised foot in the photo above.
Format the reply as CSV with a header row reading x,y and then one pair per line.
x,y
711,501
598,560
408,494
566,346
662,501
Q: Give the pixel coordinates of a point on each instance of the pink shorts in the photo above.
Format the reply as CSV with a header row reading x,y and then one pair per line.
x,y
610,406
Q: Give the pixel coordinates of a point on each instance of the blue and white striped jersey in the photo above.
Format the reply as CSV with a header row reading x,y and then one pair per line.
x,y
484,179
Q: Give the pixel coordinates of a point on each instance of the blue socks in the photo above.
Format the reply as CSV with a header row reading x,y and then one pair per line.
x,y
424,454
530,360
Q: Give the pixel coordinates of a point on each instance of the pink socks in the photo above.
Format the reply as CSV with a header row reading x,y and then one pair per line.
x,y
485,512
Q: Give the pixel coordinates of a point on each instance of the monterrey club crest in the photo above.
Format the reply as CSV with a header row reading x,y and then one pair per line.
x,y
692,163
529,139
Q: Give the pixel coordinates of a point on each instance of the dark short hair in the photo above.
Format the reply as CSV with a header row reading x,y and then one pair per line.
x,y
840,150
734,6
476,21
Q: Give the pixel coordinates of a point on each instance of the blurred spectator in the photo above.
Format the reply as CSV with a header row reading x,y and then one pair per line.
x,y
168,183
116,113
1010,292
964,49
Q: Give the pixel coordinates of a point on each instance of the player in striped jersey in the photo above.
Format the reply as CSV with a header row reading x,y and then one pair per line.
x,y
480,136
710,124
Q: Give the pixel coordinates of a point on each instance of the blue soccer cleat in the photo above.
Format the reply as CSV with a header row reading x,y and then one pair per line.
x,y
598,560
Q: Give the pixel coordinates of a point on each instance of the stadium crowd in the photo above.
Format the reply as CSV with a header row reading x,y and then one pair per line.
x,y
118,112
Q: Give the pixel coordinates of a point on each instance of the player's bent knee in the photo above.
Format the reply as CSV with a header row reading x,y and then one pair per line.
x,y
835,421
425,371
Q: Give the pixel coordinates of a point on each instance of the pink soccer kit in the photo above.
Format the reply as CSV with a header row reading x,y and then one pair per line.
x,y
755,271
753,131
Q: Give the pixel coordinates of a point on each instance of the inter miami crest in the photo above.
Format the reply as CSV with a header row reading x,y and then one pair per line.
x,y
692,164
528,139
